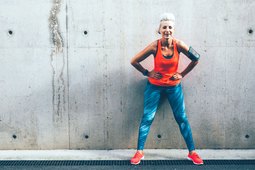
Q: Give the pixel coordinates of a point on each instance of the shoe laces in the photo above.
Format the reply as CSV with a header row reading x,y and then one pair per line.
x,y
196,155
138,154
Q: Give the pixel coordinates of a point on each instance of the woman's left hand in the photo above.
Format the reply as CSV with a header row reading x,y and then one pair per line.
x,y
176,76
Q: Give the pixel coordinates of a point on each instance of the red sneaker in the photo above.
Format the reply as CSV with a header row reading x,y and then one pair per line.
x,y
137,158
195,158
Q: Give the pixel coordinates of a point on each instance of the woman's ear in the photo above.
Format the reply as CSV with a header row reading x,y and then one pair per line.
x,y
159,28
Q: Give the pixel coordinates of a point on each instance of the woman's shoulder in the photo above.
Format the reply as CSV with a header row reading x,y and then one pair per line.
x,y
153,46
180,45
154,43
178,42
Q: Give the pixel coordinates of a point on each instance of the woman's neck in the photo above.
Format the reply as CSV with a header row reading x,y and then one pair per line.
x,y
166,42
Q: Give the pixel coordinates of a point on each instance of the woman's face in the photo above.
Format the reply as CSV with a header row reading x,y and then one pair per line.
x,y
166,29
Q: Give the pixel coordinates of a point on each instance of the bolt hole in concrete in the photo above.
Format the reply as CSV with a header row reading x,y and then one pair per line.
x,y
159,136
85,32
14,136
247,136
250,31
10,32
86,136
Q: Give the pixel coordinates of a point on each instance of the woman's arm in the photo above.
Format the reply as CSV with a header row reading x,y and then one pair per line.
x,y
191,54
142,55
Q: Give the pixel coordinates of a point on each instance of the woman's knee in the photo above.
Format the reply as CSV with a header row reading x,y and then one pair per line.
x,y
148,119
182,118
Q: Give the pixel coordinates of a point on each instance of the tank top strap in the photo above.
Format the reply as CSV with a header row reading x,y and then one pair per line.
x,y
175,47
158,48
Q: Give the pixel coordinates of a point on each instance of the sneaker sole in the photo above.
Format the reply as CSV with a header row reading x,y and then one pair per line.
x,y
194,162
137,162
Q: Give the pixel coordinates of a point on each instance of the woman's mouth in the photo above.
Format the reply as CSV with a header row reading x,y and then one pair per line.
x,y
167,35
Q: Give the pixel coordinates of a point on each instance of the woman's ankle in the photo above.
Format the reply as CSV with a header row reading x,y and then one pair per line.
x,y
191,152
140,151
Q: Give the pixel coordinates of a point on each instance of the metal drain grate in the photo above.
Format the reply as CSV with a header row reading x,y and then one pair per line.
x,y
119,162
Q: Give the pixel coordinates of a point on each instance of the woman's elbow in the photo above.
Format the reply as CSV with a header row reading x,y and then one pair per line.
x,y
133,62
195,62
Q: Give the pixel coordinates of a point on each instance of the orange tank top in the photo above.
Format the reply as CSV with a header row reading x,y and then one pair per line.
x,y
167,67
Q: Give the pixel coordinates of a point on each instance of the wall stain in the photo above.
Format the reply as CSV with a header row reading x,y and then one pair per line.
x,y
57,63
54,27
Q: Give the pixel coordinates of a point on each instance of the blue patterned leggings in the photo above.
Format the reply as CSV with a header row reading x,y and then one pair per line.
x,y
176,100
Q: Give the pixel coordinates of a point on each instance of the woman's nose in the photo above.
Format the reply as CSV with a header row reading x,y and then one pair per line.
x,y
167,30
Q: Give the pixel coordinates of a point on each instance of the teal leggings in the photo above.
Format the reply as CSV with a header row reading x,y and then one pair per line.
x,y
176,100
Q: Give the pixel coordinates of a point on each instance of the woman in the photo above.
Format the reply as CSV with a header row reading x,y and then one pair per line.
x,y
164,78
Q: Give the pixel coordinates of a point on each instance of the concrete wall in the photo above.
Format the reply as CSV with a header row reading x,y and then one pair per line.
x,y
66,79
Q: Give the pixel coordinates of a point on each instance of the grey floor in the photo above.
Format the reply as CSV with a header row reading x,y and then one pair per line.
x,y
213,159
124,165
161,167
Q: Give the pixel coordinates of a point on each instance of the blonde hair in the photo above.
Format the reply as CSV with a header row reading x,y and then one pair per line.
x,y
166,17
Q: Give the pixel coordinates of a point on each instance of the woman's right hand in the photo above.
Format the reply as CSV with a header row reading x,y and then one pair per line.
x,y
155,75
